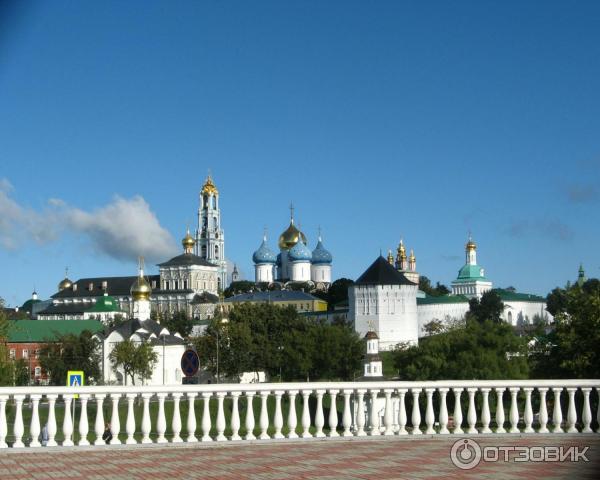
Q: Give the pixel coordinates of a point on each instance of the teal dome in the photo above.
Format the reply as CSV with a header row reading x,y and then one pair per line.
x,y
321,255
300,253
263,254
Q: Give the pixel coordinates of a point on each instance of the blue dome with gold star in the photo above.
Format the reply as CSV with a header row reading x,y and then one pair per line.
x,y
321,255
300,252
263,254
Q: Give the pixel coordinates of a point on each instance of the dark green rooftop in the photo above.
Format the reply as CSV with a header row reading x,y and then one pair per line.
x,y
43,330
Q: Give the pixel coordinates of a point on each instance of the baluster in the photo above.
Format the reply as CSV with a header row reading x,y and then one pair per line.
x,y
360,414
319,419
19,427
51,420
500,409
146,421
278,419
374,414
571,413
333,417
587,412
83,420
292,418
472,413
34,427
67,421
161,420
401,412
443,411
115,424
347,415
416,412
514,410
206,423
130,422
305,414
388,414
3,422
191,418
557,412
263,420
543,415
176,425
99,423
429,416
220,417
458,418
250,416
528,413
235,416
485,411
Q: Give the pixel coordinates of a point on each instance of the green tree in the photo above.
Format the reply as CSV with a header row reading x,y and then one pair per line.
x,y
338,292
243,286
489,307
6,364
557,301
135,359
71,352
179,322
438,290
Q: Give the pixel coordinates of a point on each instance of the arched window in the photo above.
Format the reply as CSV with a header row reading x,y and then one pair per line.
x,y
510,317
216,251
214,202
205,201
204,251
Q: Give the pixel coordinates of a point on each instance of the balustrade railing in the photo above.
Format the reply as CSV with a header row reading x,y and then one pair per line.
x,y
49,416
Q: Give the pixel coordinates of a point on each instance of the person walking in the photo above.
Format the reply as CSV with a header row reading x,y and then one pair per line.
x,y
107,435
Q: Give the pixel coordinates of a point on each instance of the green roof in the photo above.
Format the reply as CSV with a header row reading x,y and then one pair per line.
x,y
430,300
105,303
43,330
469,273
508,296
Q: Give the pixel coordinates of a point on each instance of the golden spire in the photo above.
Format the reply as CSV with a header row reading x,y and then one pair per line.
x,y
188,242
209,187
390,257
471,244
141,290
401,251
412,257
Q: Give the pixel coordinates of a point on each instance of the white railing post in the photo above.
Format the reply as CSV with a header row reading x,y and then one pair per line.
x,y
543,413
278,418
115,424
443,416
319,419
3,421
34,427
571,413
416,412
360,413
557,412
235,416
347,415
263,419
388,414
429,415
191,418
485,411
130,422
220,417
51,420
458,418
67,421
514,410
500,409
333,417
161,420
249,416
305,414
374,413
292,418
99,423
176,424
206,422
401,412
471,412
528,413
146,421
19,427
586,415
84,426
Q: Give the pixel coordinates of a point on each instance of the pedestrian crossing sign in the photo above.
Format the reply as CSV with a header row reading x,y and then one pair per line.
x,y
75,379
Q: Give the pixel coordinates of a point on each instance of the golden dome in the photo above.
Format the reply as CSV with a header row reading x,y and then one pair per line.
x,y
401,251
65,284
140,290
471,244
412,257
209,187
290,237
390,257
188,241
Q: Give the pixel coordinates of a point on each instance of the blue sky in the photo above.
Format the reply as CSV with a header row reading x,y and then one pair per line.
x,y
377,119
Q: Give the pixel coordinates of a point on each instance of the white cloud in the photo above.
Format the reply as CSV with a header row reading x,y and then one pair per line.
x,y
122,229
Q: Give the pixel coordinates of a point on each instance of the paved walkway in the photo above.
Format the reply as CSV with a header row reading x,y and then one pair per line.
x,y
388,458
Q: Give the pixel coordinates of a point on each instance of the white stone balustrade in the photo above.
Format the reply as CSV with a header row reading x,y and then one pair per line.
x,y
317,409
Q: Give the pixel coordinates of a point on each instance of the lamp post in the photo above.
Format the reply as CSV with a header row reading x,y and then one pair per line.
x,y
221,321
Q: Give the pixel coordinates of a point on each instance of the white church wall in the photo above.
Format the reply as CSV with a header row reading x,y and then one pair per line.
x,y
444,312
523,313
